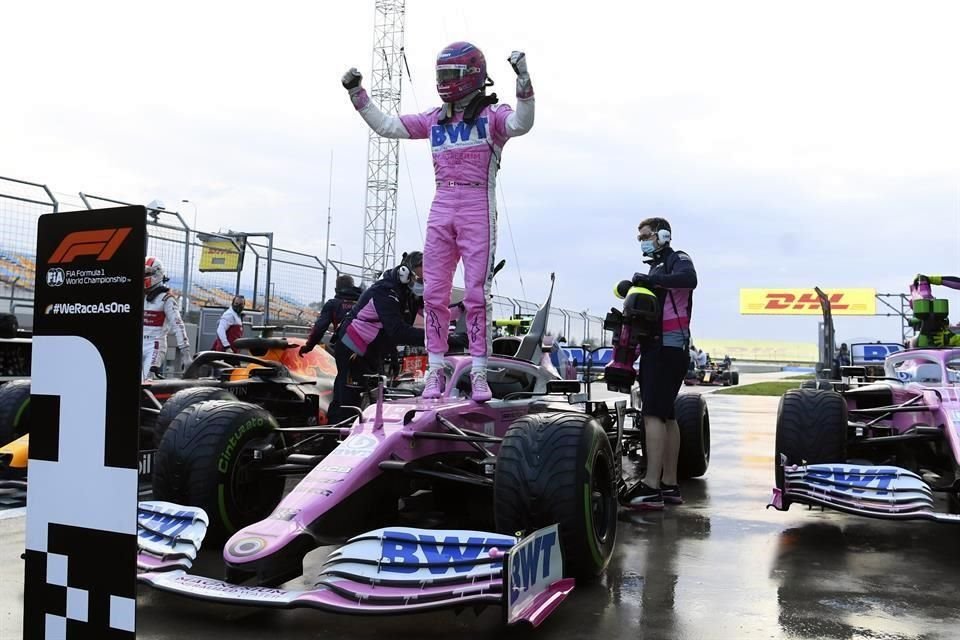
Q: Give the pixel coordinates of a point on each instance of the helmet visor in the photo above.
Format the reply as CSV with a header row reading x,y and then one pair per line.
x,y
450,72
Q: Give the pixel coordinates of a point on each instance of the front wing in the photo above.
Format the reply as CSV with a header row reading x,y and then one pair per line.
x,y
885,492
388,571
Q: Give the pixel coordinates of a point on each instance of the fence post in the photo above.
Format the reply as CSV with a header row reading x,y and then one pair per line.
x,y
266,304
187,277
566,322
53,200
256,278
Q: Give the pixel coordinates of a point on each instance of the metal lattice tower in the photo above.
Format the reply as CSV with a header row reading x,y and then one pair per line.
x,y
383,161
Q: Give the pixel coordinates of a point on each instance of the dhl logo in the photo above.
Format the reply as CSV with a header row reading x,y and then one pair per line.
x,y
102,243
802,302
784,300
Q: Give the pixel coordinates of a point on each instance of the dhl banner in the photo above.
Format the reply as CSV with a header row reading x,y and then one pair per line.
x,y
804,302
219,254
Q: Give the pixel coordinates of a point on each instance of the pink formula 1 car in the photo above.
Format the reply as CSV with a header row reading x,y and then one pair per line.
x,y
526,485
886,447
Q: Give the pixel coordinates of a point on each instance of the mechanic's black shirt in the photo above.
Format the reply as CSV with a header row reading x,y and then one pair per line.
x,y
673,278
332,314
384,316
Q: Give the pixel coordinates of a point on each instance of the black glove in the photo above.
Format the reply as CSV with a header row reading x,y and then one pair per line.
x,y
641,280
457,342
305,349
518,61
351,79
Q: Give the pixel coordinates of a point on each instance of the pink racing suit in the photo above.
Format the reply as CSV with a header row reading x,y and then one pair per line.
x,y
463,216
160,315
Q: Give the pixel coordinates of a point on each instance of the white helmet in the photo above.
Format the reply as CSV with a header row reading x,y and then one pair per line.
x,y
153,273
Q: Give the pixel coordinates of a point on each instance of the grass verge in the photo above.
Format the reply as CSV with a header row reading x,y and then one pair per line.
x,y
774,388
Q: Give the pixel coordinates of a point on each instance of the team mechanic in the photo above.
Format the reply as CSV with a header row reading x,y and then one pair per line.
x,y
334,310
663,362
230,325
160,315
381,320
467,134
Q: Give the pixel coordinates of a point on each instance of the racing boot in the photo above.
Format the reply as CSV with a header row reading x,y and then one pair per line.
x,y
433,384
478,383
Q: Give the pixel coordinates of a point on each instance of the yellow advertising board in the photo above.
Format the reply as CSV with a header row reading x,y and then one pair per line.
x,y
760,350
804,302
219,254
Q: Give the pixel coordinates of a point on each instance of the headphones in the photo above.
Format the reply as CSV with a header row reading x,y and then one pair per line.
x,y
407,262
663,237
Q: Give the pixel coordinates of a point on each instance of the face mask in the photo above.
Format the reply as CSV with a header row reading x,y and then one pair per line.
x,y
417,288
648,247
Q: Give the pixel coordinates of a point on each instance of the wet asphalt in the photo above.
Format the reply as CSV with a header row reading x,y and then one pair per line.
x,y
719,566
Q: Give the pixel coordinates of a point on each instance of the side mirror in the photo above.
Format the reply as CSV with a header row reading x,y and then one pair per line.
x,y
563,386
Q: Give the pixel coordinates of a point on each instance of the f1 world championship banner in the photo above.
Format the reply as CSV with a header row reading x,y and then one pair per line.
x,y
804,302
81,546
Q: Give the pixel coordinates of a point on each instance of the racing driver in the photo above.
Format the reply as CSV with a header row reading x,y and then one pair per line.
x,y
467,133
160,316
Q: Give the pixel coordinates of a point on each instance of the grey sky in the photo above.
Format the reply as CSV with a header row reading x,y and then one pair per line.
x,y
816,143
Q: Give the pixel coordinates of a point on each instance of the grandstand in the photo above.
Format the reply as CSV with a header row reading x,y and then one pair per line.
x,y
17,268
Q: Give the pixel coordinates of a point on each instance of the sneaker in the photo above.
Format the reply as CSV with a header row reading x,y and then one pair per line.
x,y
643,497
478,384
433,384
671,493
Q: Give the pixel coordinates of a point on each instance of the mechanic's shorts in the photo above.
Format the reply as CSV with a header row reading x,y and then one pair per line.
x,y
662,370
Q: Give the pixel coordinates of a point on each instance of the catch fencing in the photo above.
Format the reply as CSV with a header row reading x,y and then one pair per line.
x,y
21,203
287,286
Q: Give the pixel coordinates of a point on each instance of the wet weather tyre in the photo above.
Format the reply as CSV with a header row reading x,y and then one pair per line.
x,y
14,410
558,468
183,399
206,460
693,419
811,429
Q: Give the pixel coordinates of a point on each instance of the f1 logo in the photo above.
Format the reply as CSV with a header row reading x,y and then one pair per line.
x,y
102,243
